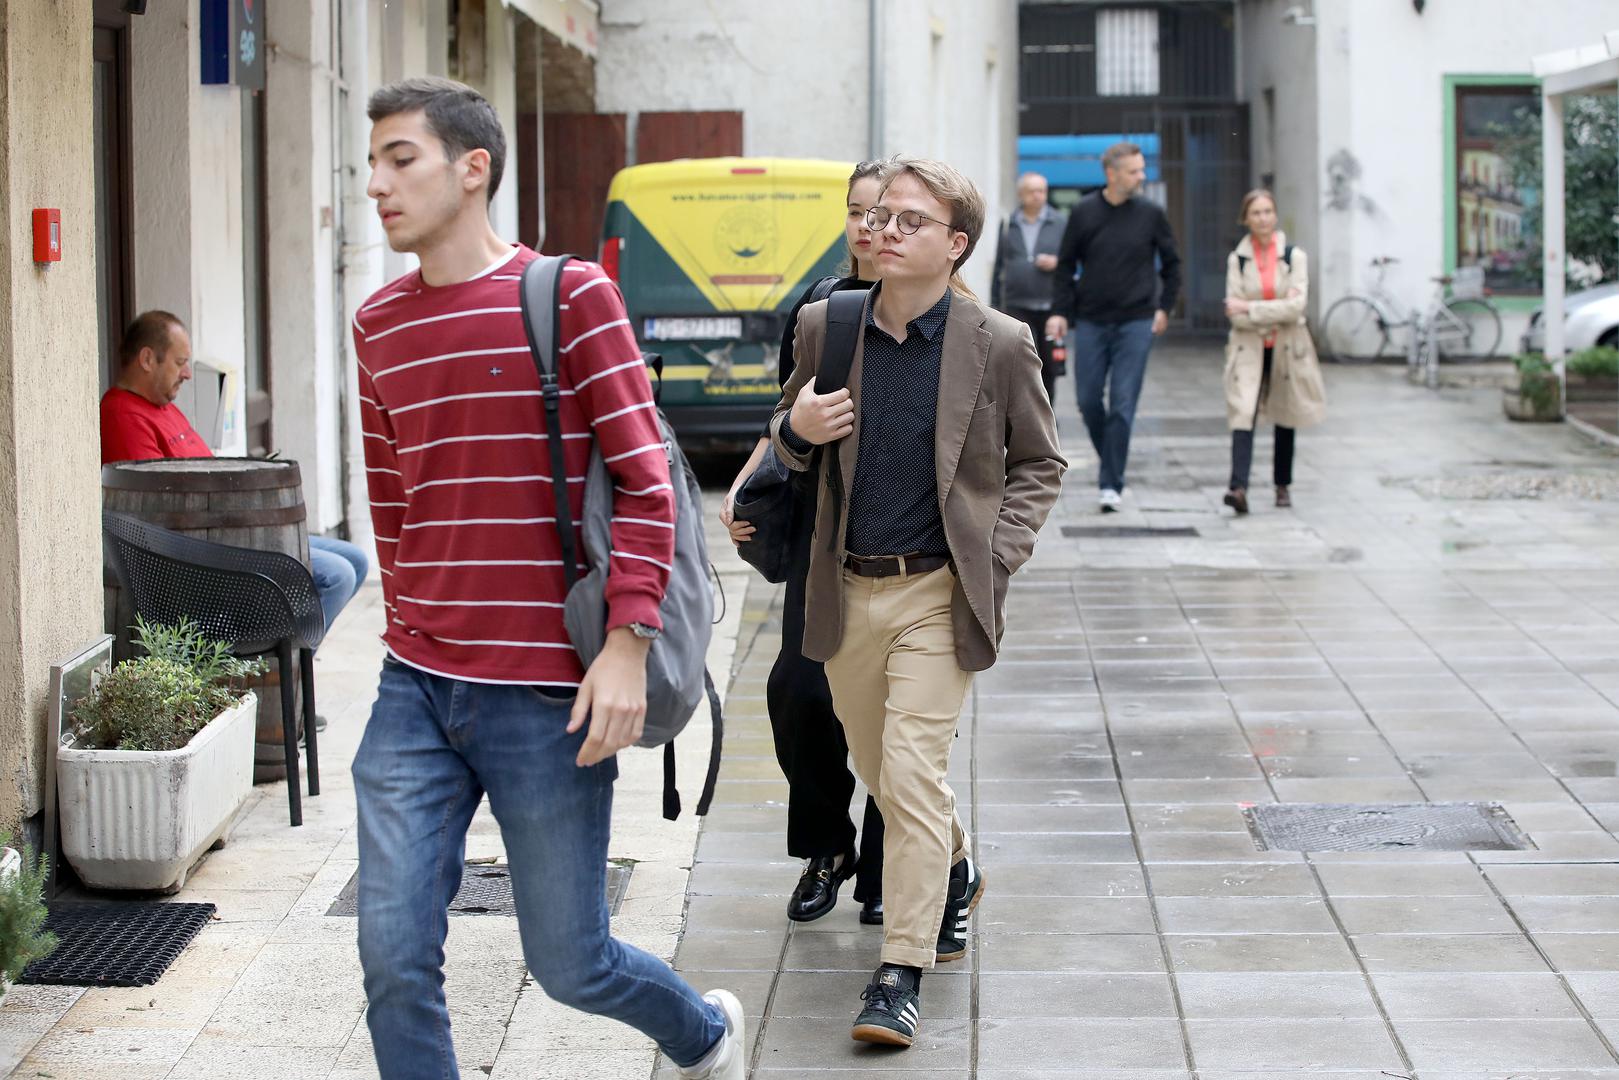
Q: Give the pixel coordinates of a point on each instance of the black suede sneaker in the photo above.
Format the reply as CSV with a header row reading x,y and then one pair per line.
x,y
966,889
893,1003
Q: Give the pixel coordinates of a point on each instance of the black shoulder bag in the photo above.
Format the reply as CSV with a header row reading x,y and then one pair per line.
x,y
766,498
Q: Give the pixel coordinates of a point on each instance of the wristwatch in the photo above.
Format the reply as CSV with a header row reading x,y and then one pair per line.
x,y
645,632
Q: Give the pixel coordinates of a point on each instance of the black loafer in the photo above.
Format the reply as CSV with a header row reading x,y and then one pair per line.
x,y
817,891
871,912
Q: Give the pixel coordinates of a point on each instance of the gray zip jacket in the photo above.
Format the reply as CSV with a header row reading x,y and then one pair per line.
x,y
1017,283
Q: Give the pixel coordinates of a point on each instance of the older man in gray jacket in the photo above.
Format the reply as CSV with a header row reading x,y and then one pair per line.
x,y
1025,258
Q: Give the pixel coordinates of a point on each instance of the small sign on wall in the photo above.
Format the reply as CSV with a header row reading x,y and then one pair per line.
x,y
233,42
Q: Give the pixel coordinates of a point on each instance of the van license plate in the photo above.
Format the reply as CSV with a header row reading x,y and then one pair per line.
x,y
686,329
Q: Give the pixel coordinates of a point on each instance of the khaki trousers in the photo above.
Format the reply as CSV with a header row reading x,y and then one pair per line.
x,y
898,691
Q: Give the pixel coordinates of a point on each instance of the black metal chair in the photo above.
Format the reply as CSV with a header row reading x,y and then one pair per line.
x,y
260,602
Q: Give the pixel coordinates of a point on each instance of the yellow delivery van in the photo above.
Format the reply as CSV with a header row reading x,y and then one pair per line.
x,y
711,254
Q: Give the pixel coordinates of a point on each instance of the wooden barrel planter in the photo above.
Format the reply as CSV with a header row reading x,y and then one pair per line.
x,y
245,502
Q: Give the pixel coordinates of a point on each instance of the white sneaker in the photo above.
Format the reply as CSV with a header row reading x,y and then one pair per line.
x,y
1109,500
728,1060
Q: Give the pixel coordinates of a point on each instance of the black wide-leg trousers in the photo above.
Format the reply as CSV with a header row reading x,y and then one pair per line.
x,y
810,744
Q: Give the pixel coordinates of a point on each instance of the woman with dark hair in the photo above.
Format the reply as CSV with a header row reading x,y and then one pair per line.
x,y
809,739
1271,366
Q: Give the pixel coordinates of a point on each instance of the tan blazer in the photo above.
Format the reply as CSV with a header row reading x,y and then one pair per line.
x,y
999,471
1296,396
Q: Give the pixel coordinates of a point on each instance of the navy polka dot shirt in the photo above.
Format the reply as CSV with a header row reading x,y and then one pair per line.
x,y
894,504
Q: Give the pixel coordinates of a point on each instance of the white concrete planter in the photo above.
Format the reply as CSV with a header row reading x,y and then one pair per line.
x,y
140,819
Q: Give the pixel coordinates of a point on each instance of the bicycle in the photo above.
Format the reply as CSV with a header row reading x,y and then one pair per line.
x,y
1458,322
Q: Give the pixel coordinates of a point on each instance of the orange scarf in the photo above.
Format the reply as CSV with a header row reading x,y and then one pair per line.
x,y
1265,263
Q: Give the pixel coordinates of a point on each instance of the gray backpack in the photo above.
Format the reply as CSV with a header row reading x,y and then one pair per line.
x,y
677,677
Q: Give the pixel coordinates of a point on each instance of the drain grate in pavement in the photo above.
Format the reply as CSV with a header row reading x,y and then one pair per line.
x,y
1384,827
486,889
116,944
1126,532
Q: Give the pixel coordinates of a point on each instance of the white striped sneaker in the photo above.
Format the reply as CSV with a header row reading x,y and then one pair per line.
x,y
893,1008
966,889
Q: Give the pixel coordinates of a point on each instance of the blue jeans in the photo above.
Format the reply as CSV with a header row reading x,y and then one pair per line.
x,y
338,568
433,747
1111,357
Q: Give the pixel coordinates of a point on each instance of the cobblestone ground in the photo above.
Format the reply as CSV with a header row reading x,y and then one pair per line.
x,y
1437,619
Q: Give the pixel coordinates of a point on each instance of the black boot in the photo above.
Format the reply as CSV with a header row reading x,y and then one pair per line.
x,y
871,912
817,891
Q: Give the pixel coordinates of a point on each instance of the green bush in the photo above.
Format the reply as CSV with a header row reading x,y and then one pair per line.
x,y
160,700
22,916
1537,383
1597,362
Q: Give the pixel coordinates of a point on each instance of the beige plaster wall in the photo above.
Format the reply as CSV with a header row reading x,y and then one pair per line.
x,y
50,494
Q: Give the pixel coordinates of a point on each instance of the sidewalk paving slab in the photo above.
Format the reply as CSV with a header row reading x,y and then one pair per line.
x,y
1405,633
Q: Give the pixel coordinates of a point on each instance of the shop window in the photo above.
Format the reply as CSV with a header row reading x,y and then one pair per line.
x,y
1495,125
1127,52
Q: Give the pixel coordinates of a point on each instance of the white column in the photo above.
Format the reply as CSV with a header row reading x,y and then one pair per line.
x,y
304,372
1552,225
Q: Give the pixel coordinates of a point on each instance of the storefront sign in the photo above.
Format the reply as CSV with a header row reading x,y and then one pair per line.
x,y
233,42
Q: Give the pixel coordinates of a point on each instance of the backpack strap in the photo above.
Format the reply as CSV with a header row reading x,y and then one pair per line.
x,y
1242,263
1287,256
822,289
845,313
540,290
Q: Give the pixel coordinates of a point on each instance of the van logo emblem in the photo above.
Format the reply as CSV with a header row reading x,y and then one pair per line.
x,y
743,234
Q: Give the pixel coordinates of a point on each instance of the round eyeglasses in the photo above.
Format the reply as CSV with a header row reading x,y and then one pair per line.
x,y
909,221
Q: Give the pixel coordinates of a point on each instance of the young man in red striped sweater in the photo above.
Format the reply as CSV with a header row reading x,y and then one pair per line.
x,y
481,691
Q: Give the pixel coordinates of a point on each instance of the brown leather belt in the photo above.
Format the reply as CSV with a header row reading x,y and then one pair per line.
x,y
893,565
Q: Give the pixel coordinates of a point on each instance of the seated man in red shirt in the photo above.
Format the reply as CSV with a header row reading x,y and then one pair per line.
x,y
139,420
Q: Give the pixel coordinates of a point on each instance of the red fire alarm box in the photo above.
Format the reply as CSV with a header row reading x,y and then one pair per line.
x,y
47,236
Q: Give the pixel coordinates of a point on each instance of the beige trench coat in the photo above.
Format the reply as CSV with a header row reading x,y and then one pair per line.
x,y
1295,396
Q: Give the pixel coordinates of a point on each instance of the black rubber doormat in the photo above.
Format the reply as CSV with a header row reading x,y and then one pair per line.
x,y
1457,826
116,944
1126,532
486,889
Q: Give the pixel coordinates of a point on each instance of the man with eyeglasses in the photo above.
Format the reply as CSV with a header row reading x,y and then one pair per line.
x,y
940,462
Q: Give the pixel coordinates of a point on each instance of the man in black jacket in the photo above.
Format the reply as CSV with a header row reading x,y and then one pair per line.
x,y
1124,246
1025,260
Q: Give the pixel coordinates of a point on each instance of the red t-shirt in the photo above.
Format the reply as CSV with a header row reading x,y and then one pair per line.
x,y
133,429
460,474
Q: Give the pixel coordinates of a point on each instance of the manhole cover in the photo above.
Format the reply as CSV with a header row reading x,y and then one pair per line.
x,y
1126,532
1383,827
117,944
486,889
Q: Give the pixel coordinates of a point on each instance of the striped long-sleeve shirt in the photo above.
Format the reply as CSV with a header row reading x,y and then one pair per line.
x,y
460,474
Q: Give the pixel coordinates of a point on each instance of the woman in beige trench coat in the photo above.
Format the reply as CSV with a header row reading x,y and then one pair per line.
x,y
1270,362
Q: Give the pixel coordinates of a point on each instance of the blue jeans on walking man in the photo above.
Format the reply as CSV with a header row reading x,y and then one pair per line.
x,y
433,748
1110,357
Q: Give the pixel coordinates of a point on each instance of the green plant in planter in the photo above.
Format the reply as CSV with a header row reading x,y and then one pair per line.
x,y
22,916
1597,362
1537,383
160,700
186,644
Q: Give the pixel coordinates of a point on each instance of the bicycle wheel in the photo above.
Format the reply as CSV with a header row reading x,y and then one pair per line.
x,y
1354,329
1468,330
